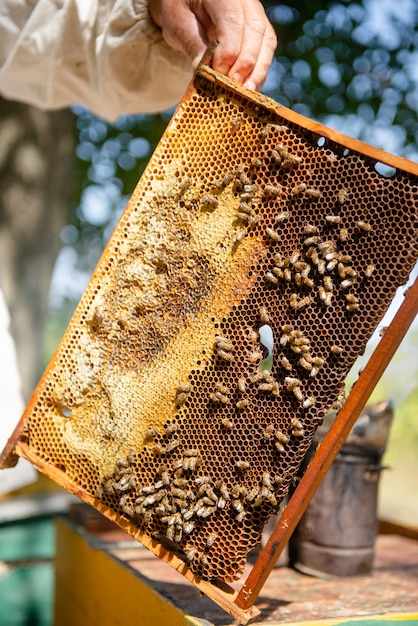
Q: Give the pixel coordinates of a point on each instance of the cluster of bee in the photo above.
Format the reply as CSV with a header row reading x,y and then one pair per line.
x,y
121,480
282,157
265,381
280,438
301,346
302,189
224,348
182,393
247,190
221,394
321,260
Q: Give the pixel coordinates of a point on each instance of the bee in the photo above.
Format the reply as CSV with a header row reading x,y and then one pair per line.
x,y
241,385
177,492
369,270
227,424
298,189
299,280
297,393
242,465
299,304
264,132
333,219
291,161
313,193
342,196
337,349
269,431
309,241
240,235
271,190
278,259
310,229
250,188
287,328
151,433
185,185
296,423
272,234
365,226
351,298
308,402
240,516
343,235
321,266
346,283
220,387
219,397
265,387
165,477
181,398
271,278
322,293
244,207
236,122
227,179
263,314
245,217
279,446
294,257
305,364
256,163
286,363
226,356
350,271
328,283
242,404
275,389
187,515
191,553
267,482
287,274
280,436
202,480
158,449
382,331
122,463
223,343
298,432
353,306
281,217
210,539
291,382
171,428
210,201
191,452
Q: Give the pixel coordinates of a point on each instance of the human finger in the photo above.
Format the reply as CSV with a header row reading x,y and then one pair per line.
x,y
246,40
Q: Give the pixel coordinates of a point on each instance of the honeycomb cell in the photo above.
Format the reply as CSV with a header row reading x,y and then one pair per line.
x,y
162,406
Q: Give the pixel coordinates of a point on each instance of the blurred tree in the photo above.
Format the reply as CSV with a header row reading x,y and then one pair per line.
x,y
36,164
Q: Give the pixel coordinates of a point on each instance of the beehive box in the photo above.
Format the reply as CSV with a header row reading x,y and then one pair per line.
x,y
159,407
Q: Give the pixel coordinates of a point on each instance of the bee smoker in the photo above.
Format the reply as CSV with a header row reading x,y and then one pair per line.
x,y
336,535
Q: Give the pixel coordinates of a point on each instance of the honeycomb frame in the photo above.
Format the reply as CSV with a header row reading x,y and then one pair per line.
x,y
160,408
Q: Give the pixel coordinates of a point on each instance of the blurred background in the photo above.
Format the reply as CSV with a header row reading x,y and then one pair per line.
x,y
66,177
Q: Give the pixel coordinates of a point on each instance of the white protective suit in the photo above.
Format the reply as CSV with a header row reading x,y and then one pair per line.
x,y
105,54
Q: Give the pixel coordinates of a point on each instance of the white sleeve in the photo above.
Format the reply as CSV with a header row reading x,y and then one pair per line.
x,y
105,54
11,406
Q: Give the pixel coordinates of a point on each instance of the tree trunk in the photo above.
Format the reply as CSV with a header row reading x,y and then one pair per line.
x,y
36,182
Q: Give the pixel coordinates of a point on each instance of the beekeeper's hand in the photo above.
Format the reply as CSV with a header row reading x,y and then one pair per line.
x,y
246,39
